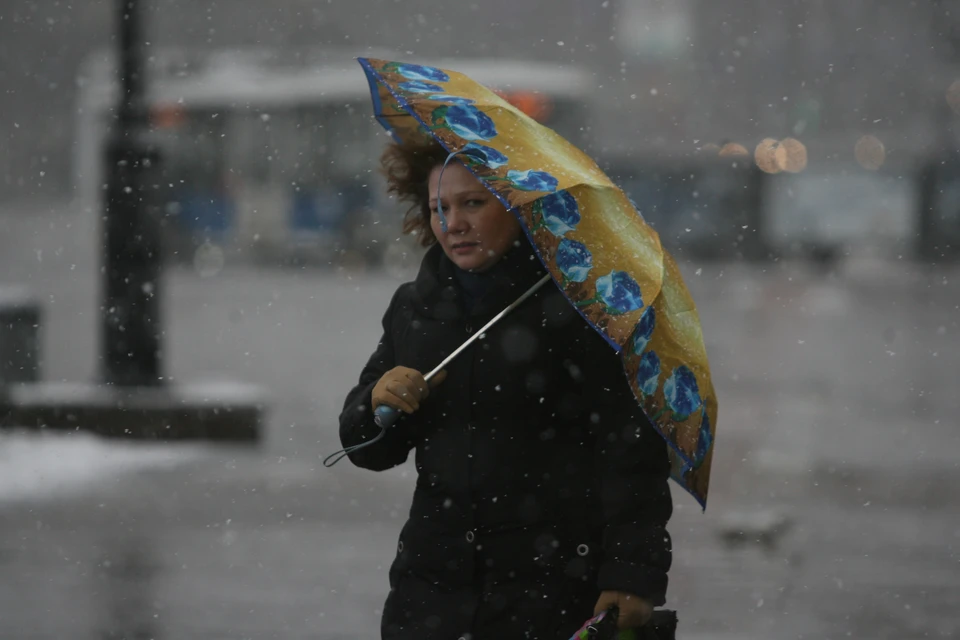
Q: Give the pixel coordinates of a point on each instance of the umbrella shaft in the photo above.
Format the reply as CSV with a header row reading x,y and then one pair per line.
x,y
513,305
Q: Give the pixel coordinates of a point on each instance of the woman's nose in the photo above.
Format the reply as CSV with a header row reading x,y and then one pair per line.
x,y
456,221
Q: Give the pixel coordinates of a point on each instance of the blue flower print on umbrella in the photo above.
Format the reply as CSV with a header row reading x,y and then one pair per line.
x,y
618,292
704,440
417,71
474,154
464,120
557,212
644,330
528,180
531,180
574,261
419,86
681,393
451,99
648,373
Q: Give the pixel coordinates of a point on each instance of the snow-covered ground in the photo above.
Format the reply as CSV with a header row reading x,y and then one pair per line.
x,y
838,410
55,466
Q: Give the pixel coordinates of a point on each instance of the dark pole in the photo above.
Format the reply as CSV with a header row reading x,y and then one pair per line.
x,y
130,313
935,241
946,30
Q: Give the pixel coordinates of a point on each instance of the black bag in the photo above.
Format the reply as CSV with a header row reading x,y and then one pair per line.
x,y
662,626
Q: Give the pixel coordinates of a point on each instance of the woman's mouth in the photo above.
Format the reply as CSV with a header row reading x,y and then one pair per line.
x,y
464,247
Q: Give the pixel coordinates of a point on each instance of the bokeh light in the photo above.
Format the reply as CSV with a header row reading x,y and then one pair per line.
x,y
953,96
795,155
733,150
869,152
770,156
208,260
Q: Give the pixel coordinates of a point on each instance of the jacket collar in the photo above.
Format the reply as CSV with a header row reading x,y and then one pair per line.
x,y
441,295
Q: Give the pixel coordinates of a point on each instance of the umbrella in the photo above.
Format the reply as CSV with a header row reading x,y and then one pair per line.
x,y
591,238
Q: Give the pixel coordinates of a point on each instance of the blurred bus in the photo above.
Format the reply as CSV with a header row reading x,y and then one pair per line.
x,y
274,157
702,207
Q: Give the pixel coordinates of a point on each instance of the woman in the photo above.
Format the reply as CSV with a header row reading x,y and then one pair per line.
x,y
541,493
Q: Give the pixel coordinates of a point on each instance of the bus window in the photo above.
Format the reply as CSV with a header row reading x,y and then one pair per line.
x,y
193,163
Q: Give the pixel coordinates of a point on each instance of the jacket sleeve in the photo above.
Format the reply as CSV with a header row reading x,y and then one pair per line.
x,y
633,467
356,420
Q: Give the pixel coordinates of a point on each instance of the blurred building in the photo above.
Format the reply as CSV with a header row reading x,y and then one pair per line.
x,y
671,75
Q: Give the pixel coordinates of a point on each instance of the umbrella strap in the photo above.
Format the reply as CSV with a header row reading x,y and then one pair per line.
x,y
334,458
443,218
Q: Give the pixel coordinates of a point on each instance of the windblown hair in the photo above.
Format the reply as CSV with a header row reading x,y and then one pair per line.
x,y
407,166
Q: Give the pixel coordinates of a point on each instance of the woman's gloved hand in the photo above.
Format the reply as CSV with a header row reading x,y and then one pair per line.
x,y
634,611
403,389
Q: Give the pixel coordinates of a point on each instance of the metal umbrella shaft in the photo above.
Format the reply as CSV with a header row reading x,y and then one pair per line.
x,y
385,416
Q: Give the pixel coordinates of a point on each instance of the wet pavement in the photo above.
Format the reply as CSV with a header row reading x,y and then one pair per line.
x,y
838,418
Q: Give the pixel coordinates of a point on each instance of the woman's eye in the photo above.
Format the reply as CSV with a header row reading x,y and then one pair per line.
x,y
475,203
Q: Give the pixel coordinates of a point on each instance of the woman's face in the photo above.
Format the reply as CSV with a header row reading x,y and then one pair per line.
x,y
479,228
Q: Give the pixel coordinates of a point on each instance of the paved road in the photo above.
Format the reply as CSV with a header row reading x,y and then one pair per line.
x,y
838,413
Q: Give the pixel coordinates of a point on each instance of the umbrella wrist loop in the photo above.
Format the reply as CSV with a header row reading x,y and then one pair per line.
x,y
334,458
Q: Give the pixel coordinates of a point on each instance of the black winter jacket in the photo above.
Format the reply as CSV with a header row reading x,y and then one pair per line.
x,y
540,482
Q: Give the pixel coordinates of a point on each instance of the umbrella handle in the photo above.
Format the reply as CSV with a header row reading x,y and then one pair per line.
x,y
385,416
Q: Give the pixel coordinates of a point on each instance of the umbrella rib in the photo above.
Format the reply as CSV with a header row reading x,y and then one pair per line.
x,y
513,305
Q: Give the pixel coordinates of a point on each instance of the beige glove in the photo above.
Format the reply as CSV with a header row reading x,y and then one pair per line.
x,y
404,389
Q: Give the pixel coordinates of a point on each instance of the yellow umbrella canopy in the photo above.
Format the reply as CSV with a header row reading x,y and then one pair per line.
x,y
589,235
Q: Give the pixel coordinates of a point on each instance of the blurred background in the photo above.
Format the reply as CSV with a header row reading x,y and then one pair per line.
x,y
800,158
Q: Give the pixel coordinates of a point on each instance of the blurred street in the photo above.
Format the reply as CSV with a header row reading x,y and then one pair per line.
x,y
838,419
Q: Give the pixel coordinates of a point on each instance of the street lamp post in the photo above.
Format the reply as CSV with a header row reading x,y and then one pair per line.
x,y
938,236
133,398
130,313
